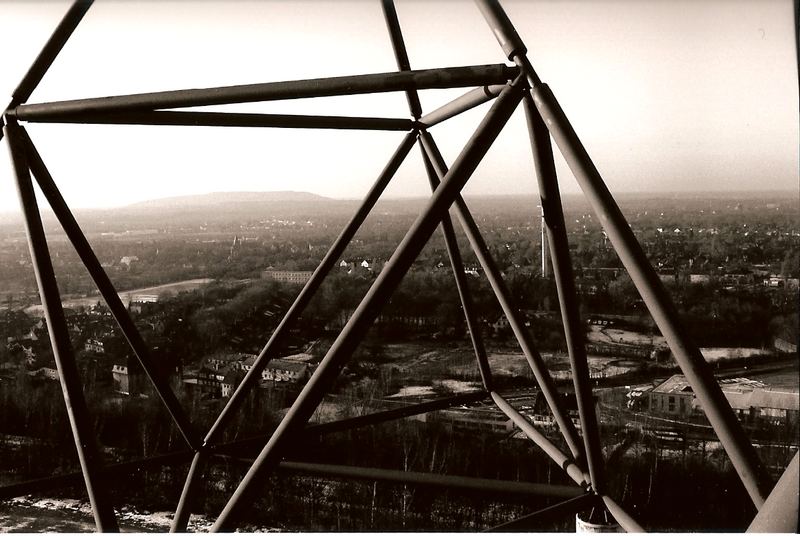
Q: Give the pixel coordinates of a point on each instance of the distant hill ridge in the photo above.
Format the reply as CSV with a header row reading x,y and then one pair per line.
x,y
227,198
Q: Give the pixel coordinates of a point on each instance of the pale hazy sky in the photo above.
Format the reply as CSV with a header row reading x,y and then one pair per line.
x,y
666,95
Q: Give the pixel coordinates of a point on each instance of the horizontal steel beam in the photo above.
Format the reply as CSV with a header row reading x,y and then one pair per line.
x,y
432,479
319,87
533,522
467,101
224,119
393,414
124,469
316,430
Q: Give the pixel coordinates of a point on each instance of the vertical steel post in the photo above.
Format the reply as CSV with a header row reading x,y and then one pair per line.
x,y
107,290
553,217
59,338
373,301
495,279
741,452
278,336
464,295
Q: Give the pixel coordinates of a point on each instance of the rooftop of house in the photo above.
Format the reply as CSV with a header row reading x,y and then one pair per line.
x,y
283,364
677,384
230,357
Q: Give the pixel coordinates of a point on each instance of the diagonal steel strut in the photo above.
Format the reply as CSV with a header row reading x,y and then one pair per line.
x,y
69,378
109,293
495,279
376,297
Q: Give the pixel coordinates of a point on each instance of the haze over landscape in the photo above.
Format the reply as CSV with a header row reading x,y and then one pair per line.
x,y
246,343
667,96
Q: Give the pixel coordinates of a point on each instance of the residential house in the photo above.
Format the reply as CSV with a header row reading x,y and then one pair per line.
x,y
232,378
235,360
674,396
94,345
287,276
282,370
127,376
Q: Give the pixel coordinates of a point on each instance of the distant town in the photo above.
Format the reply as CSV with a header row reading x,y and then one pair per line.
x,y
206,282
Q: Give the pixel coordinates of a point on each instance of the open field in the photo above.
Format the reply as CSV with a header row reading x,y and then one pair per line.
x,y
168,289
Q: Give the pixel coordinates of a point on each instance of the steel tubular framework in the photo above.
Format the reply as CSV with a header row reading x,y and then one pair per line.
x,y
508,86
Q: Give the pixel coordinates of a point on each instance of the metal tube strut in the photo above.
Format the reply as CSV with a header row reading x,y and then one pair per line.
x,y
780,511
124,469
507,37
495,279
376,297
107,290
623,518
400,54
68,376
451,243
568,465
533,522
432,479
291,316
464,295
226,119
448,77
51,49
467,101
393,414
741,452
565,285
